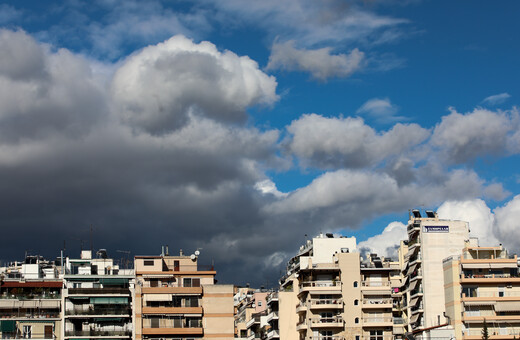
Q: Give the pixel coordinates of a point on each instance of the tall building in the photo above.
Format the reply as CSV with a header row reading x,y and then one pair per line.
x,y
430,240
178,299
97,298
30,300
482,284
338,294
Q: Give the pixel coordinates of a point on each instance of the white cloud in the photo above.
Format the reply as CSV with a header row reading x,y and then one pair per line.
x,y
381,109
464,137
311,23
267,186
477,213
506,219
347,197
320,63
386,243
497,99
348,142
156,89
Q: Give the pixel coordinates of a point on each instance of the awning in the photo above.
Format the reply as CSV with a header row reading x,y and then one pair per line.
x,y
414,318
108,319
7,325
413,301
479,303
413,285
507,306
109,300
158,297
113,281
405,281
50,303
504,265
475,265
411,269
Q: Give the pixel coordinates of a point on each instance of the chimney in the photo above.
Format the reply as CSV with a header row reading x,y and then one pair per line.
x,y
181,253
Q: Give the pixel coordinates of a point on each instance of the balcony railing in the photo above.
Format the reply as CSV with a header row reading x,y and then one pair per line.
x,y
327,320
30,297
327,337
88,291
99,311
377,301
312,284
98,333
315,302
377,319
375,283
43,314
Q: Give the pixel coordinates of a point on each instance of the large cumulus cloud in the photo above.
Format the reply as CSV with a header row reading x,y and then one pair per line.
x,y
156,89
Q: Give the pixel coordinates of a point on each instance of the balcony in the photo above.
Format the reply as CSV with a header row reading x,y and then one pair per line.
x,y
126,311
126,333
494,333
273,334
490,278
29,314
301,307
254,320
171,290
378,321
271,297
377,303
272,316
101,291
326,303
327,337
173,330
300,326
319,286
28,304
376,284
327,322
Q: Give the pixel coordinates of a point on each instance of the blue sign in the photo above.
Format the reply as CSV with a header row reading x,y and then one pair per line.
x,y
436,229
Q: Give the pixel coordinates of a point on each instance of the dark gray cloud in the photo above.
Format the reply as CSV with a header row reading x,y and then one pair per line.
x,y
80,148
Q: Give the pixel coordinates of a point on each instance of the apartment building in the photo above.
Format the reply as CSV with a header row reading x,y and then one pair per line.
x,y
97,298
30,300
178,299
338,294
482,284
430,240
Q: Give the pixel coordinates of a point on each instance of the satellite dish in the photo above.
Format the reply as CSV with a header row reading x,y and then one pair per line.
x,y
197,253
193,257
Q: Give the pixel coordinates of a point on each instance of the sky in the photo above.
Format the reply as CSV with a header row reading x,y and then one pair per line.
x,y
243,128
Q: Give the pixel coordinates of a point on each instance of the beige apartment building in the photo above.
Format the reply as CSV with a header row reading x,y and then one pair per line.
x,y
482,283
430,240
335,294
175,298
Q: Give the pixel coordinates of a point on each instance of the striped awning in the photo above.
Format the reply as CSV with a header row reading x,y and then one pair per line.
x,y
158,297
479,303
507,306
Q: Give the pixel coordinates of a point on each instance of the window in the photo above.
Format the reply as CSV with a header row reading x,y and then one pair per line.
x,y
259,303
176,266
355,284
154,283
27,332
470,291
154,322
191,282
356,320
358,337
191,302
376,335
356,302
148,262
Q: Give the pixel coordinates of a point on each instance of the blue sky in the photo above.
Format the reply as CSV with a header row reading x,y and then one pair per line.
x,y
243,125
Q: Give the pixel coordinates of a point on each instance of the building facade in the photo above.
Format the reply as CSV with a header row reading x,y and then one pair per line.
x,y
482,285
178,299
